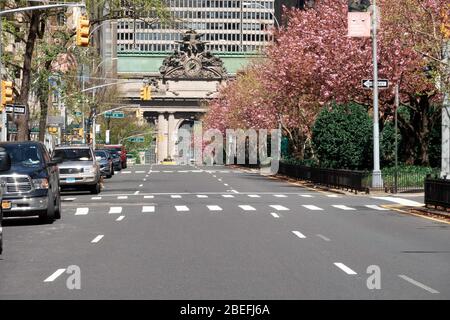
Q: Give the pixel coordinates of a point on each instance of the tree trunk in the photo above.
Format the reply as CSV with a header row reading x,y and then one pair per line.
x,y
22,122
43,102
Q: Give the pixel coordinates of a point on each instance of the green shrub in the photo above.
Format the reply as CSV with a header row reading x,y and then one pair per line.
x,y
342,137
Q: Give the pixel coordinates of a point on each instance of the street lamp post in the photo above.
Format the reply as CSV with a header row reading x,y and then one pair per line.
x,y
377,180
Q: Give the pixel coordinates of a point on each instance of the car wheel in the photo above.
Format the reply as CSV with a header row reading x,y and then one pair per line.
x,y
47,216
112,170
96,188
58,207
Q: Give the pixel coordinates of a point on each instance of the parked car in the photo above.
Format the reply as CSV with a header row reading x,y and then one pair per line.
x,y
120,149
105,162
117,162
5,165
79,168
32,182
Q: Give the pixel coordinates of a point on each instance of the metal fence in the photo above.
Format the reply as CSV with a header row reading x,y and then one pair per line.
x,y
344,179
401,181
437,192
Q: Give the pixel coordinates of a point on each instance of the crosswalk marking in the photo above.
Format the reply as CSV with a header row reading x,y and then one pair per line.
x,y
342,207
311,207
181,208
82,211
115,210
375,207
247,208
148,209
214,208
279,208
299,234
275,215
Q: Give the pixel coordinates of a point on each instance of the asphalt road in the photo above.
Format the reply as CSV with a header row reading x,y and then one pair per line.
x,y
171,232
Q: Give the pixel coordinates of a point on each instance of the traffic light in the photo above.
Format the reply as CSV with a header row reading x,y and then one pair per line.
x,y
80,132
53,130
7,93
83,32
146,93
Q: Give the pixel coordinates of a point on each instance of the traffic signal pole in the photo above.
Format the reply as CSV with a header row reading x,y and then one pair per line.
x,y
4,133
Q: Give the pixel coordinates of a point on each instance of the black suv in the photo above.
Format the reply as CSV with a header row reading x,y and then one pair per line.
x,y
32,182
5,165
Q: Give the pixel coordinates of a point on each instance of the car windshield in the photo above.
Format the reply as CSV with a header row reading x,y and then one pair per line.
x,y
24,155
73,154
101,154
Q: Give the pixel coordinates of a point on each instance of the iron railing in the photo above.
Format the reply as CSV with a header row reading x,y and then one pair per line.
x,y
343,179
437,192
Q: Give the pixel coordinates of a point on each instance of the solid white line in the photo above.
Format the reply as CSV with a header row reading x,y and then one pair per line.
x,y
247,208
402,201
280,195
342,207
279,208
417,283
181,208
227,196
254,196
306,196
214,208
323,237
311,207
115,210
97,238
136,193
120,218
275,215
344,268
176,196
202,196
82,211
299,234
375,207
55,275
122,197
147,209
96,198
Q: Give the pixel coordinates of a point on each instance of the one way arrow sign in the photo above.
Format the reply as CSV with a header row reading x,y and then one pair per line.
x,y
382,83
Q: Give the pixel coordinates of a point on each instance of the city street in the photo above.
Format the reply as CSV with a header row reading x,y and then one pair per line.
x,y
186,232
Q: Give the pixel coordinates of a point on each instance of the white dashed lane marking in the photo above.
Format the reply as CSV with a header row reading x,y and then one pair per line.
x,y
344,268
97,238
175,196
254,196
120,218
280,195
149,197
306,196
214,208
342,207
55,275
227,196
96,198
323,237
202,196
148,209
122,197
299,234
311,207
115,210
82,211
181,208
279,208
417,283
247,208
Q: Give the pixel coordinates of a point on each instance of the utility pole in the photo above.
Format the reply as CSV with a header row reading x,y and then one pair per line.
x,y
377,180
445,166
397,105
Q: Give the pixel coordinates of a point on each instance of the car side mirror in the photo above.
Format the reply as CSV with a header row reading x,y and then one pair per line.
x,y
5,160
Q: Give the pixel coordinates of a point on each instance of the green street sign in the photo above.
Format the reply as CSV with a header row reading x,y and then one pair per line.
x,y
136,139
115,115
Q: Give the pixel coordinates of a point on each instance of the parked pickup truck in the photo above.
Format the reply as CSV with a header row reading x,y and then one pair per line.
x,y
5,165
31,183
